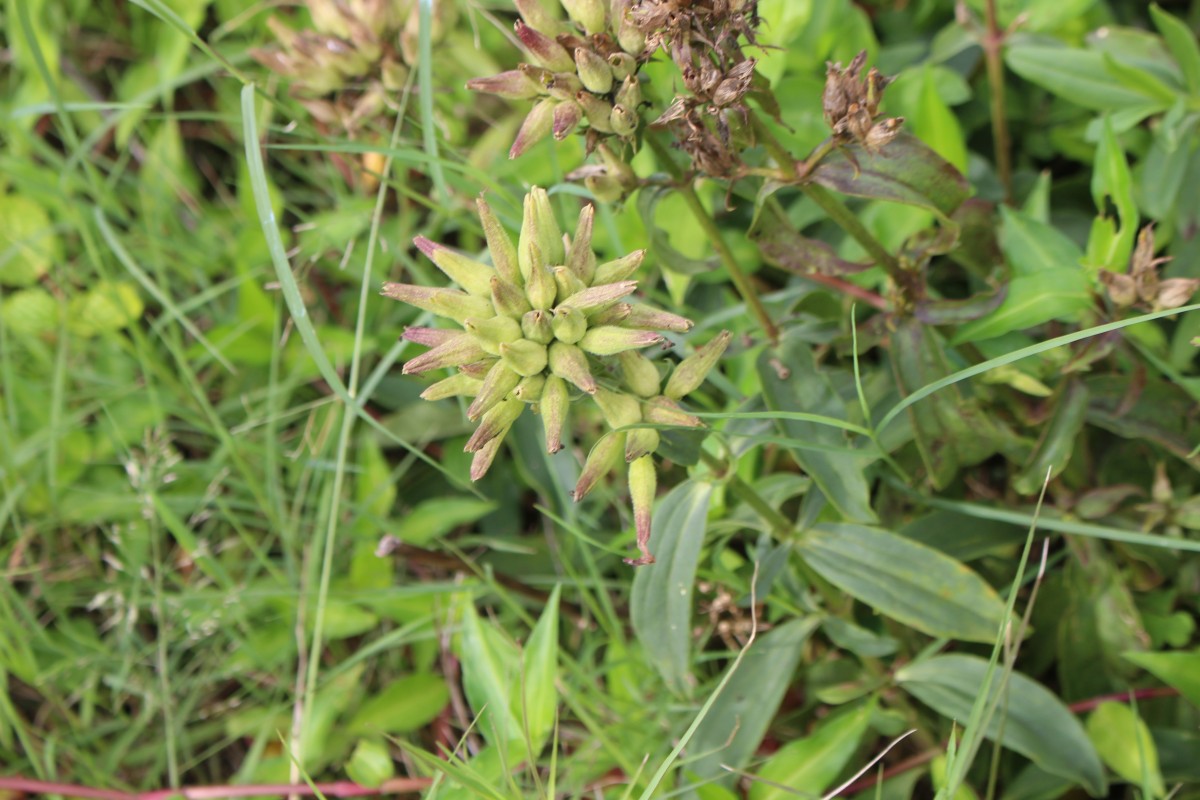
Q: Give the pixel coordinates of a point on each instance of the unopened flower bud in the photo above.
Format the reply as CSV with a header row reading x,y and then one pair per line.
x,y
514,84
540,241
491,332
535,15
430,337
647,318
640,442
593,71
497,385
623,121
570,363
540,288
643,482
481,462
614,314
618,408
538,124
462,349
529,390
597,111
567,115
477,369
617,167
639,373
665,411
504,254
545,51
581,259
458,385
608,340
507,299
619,269
568,282
623,66
536,326
466,272
553,409
524,357
690,373
604,456
568,324
562,85
598,296
629,36
630,93
495,424
449,303
604,188
588,14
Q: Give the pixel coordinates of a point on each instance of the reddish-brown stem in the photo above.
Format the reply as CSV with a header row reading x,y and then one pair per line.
x,y
1123,697
993,42
334,789
846,287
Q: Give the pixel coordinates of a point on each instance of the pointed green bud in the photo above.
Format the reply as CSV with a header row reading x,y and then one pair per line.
x,y
639,373
504,255
449,303
459,385
568,324
629,36
593,71
665,411
540,288
614,314
507,299
619,409
608,340
538,124
630,93
597,297
570,363
491,332
649,318
514,84
497,385
581,260
462,349
597,111
535,15
623,121
553,408
529,390
567,116
640,442
537,327
495,424
524,357
604,188
643,482
603,458
617,167
690,373
544,49
430,337
563,86
481,462
568,282
623,66
478,369
587,14
466,272
540,241
621,268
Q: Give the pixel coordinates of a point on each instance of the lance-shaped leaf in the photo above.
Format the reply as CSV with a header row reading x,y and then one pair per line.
x,y
904,171
957,312
782,245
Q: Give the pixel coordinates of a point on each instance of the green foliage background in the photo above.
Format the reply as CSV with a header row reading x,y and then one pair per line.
x,y
204,433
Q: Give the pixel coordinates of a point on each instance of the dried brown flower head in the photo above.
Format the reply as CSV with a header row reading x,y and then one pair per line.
x,y
1141,286
851,104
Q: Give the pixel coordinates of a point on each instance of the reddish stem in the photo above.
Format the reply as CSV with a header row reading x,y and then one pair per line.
x,y
334,789
846,287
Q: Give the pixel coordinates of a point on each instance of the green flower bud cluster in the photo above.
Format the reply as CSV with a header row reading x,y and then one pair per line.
x,y
359,48
545,325
583,70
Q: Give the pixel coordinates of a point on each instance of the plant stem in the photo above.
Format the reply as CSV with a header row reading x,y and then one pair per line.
x,y
844,217
992,42
740,281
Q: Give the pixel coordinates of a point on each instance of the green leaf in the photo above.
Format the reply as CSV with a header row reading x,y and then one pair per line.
x,y
1140,80
660,602
1032,299
1031,720
660,238
491,669
436,518
936,125
1125,744
903,171
737,720
30,312
808,766
1111,179
902,579
782,245
28,244
1180,670
1181,41
1031,247
803,388
1078,76
370,764
1058,439
406,704
539,681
